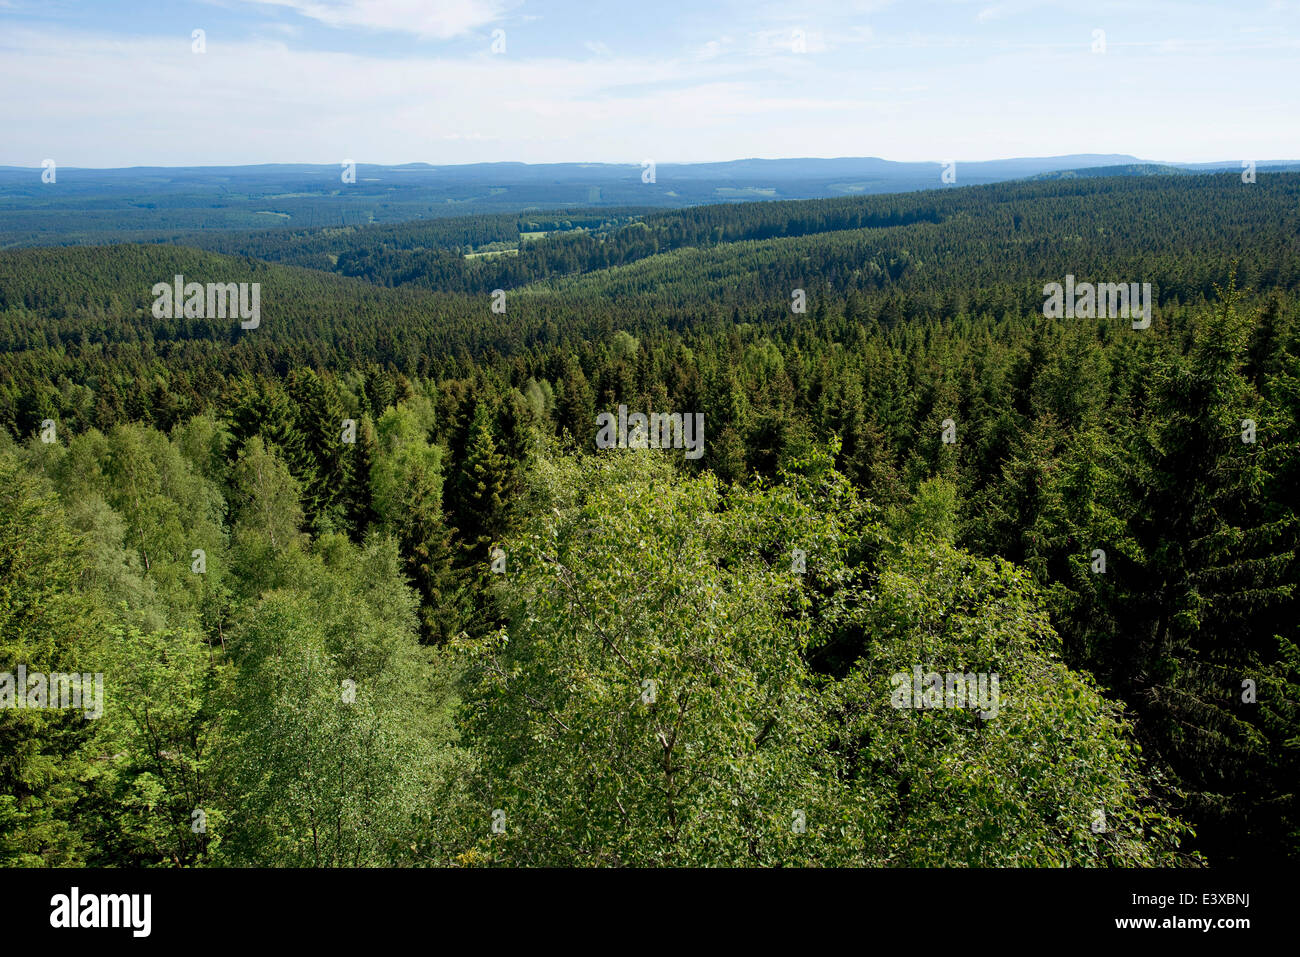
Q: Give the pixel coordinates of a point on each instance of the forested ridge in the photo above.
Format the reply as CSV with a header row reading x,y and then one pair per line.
x,y
469,637
1021,228
294,202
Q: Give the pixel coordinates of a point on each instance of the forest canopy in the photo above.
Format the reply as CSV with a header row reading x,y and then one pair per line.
x,y
364,589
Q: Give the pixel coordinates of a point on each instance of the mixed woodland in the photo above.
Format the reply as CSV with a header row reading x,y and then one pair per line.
x,y
365,592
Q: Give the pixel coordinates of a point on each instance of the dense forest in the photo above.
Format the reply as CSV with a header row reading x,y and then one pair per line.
x,y
365,589
198,204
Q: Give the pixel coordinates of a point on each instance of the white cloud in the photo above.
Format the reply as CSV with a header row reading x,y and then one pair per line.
x,y
713,48
794,41
92,99
436,19
153,101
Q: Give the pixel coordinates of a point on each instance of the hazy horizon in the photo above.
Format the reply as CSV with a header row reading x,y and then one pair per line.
x,y
129,83
1226,162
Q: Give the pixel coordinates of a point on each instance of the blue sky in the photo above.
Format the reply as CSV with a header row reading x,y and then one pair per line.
x,y
106,83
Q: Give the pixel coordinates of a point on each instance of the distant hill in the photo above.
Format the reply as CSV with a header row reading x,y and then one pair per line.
x,y
144,203
1126,169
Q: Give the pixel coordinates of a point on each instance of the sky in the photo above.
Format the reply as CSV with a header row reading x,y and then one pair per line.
x,y
113,83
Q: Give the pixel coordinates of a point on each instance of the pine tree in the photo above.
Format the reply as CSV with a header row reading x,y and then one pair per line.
x,y
477,505
1212,562
318,420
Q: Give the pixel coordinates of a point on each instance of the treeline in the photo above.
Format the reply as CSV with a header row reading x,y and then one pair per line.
x,y
321,248
1019,228
1180,234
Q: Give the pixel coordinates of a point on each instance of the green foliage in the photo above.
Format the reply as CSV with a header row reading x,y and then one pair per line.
x,y
326,561
339,725
47,625
650,700
163,749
